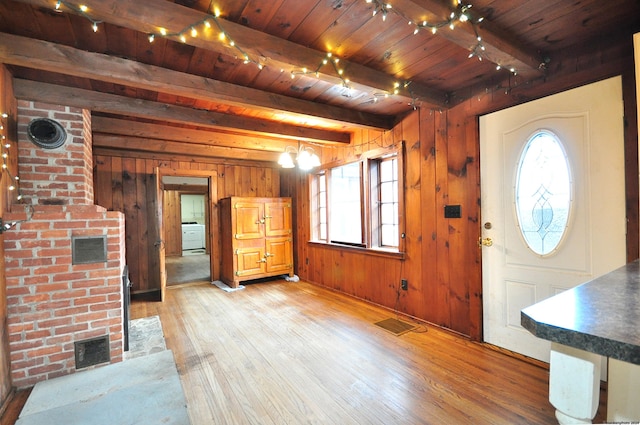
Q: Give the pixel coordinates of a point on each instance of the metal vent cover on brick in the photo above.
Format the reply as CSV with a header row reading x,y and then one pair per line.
x,y
46,133
88,249
91,352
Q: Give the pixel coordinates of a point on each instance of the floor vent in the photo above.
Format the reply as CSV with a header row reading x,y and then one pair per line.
x,y
395,326
92,352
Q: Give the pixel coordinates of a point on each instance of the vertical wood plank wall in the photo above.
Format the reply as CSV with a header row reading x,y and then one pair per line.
x,y
172,223
126,184
442,263
443,260
8,106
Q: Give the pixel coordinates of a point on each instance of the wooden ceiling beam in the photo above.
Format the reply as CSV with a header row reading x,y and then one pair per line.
x,y
126,106
179,134
151,15
51,57
500,48
138,144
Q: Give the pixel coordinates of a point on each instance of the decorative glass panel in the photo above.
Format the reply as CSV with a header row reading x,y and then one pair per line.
x,y
543,192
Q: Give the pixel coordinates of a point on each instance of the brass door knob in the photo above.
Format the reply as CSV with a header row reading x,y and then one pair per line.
x,y
485,242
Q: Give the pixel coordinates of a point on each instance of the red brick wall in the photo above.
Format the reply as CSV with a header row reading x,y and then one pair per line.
x,y
51,302
62,176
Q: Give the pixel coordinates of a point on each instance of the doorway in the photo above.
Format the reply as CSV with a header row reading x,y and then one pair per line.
x,y
186,229
553,204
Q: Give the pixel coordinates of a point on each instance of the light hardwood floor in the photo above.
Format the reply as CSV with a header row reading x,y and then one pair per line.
x,y
294,353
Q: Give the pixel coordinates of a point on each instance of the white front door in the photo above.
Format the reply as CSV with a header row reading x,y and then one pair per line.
x,y
543,241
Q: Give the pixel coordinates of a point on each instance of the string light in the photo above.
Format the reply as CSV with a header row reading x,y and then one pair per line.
x,y
80,10
13,183
460,14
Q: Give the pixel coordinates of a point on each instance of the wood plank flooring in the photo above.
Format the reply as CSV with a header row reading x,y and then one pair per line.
x,y
294,353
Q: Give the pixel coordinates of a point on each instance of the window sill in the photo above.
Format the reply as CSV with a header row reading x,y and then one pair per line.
x,y
375,252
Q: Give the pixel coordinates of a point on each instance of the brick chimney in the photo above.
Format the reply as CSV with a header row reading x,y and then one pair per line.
x,y
57,305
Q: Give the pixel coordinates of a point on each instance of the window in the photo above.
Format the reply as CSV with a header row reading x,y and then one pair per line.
x,y
359,203
386,202
319,207
543,193
345,201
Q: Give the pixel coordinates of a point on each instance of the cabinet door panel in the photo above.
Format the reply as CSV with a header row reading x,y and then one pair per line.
x,y
250,261
249,220
277,218
279,254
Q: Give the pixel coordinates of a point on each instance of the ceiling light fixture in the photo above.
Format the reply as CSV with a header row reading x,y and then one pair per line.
x,y
305,157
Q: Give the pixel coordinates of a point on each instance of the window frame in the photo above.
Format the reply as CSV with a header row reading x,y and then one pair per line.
x,y
370,195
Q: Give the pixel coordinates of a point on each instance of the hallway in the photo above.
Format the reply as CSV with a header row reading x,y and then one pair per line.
x,y
192,266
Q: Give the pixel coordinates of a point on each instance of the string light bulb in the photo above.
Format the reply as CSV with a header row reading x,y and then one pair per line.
x,y
13,183
460,14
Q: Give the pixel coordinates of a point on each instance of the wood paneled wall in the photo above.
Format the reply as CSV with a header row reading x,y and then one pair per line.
x,y
8,106
441,168
442,262
172,222
123,181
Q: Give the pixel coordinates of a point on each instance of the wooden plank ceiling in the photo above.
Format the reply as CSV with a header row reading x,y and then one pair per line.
x,y
289,70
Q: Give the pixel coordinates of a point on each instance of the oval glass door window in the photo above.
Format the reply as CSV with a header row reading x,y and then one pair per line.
x,y
543,193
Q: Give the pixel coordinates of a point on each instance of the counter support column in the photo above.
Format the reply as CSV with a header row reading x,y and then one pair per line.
x,y
574,384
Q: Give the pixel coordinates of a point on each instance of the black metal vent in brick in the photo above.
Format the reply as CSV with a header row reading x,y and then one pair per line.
x,y
88,249
92,352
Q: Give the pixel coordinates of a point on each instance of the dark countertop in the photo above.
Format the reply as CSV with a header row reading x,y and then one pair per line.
x,y
601,316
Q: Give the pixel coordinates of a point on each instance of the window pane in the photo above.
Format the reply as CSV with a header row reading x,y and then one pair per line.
x,y
388,202
389,235
543,193
319,207
388,214
346,203
387,192
386,171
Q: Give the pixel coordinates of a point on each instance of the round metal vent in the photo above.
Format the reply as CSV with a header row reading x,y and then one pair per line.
x,y
46,133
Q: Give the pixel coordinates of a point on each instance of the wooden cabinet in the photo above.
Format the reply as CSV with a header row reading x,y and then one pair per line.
x,y
257,239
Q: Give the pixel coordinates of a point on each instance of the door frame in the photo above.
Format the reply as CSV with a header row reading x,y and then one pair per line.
x,y
213,216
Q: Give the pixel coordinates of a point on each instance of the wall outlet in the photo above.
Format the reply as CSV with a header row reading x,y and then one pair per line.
x,y
404,284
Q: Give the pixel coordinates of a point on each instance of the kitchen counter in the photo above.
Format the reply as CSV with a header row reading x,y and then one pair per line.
x,y
601,316
598,318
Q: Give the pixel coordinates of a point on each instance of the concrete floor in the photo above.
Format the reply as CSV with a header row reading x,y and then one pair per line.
x,y
145,389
